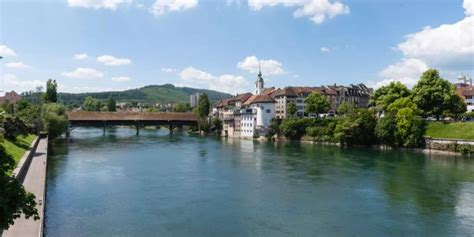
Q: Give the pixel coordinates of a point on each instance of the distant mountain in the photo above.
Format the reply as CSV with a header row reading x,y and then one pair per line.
x,y
149,94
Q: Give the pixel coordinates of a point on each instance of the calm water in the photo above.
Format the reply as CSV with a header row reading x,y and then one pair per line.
x,y
179,185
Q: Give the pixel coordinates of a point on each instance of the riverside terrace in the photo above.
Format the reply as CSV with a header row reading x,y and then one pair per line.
x,y
137,119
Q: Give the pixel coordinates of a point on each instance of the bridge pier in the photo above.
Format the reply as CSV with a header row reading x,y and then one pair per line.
x,y
138,127
171,128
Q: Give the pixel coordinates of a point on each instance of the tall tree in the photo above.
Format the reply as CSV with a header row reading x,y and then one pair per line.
x,y
204,106
436,96
111,105
51,91
317,103
386,95
291,108
14,199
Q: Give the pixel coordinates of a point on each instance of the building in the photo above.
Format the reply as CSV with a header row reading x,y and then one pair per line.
x,y
465,89
10,97
194,100
257,115
357,95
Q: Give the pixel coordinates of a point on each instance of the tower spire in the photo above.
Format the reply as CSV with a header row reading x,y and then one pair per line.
x,y
259,69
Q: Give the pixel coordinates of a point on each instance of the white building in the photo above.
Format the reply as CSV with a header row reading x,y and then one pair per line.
x,y
194,100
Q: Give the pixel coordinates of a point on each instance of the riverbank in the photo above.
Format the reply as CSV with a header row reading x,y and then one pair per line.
x,y
31,170
19,146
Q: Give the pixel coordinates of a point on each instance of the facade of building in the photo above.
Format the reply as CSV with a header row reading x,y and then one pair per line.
x,y
10,97
194,100
465,89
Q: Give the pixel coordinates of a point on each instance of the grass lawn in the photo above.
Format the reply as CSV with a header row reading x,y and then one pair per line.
x,y
18,147
456,130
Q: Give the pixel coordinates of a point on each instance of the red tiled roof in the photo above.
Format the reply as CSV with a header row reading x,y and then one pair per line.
x,y
263,98
466,91
11,97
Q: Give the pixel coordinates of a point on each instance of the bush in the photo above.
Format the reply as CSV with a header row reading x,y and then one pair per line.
x,y
357,129
294,128
54,119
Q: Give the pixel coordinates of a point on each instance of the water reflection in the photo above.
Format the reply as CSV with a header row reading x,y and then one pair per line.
x,y
182,185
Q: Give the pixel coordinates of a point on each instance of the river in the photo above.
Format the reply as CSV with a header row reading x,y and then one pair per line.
x,y
156,184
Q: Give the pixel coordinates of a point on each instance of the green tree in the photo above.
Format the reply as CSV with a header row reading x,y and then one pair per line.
x,y
204,105
180,107
111,105
51,95
217,124
358,128
435,96
91,104
317,103
13,126
295,128
402,125
202,111
345,109
14,199
291,109
386,95
54,119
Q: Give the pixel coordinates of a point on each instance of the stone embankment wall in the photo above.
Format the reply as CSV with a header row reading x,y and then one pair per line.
x,y
450,145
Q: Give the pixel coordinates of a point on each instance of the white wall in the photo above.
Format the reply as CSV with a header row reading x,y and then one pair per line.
x,y
247,125
265,113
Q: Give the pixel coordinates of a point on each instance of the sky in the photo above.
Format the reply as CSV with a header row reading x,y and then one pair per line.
x,y
103,45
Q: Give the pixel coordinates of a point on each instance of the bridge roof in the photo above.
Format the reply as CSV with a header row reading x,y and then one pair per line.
x,y
130,116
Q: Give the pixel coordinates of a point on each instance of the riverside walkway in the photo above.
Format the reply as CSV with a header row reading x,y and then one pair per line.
x,y
35,182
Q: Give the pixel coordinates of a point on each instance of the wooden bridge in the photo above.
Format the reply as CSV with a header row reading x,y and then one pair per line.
x,y
137,119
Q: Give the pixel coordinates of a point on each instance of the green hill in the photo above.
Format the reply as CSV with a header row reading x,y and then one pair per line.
x,y
149,94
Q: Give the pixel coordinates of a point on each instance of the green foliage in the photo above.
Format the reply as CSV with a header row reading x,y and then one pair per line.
x,y
91,104
217,124
13,126
274,127
291,108
14,199
18,146
402,125
148,94
317,103
357,129
54,119
294,128
435,96
386,95
345,109
385,130
51,95
181,107
111,105
322,130
204,106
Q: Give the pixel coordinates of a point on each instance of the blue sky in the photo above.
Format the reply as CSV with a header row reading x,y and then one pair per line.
x,y
219,44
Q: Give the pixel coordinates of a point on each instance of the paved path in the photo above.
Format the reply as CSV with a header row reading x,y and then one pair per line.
x,y
35,182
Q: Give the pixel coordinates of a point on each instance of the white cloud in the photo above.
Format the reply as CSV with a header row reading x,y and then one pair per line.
x,y
18,65
408,71
228,83
468,7
325,49
160,7
317,10
80,56
97,4
5,51
449,48
121,79
84,73
168,70
18,85
445,45
113,61
268,67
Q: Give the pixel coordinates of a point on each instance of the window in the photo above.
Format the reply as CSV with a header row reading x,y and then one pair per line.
x,y
268,111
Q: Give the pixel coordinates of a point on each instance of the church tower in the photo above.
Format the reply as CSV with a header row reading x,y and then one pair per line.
x,y
259,84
